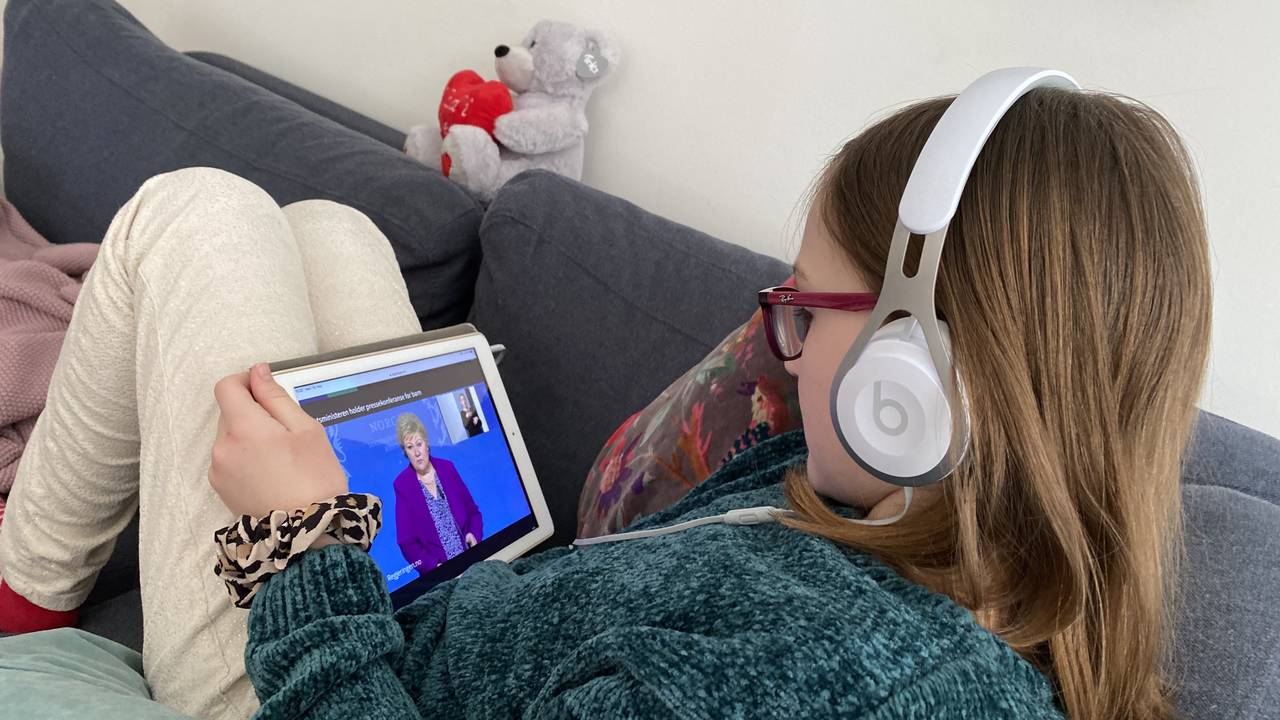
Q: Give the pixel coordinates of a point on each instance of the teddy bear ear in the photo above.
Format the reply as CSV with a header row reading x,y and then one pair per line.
x,y
530,36
606,52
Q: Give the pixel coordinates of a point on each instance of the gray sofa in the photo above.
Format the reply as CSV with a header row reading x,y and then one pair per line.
x,y
600,303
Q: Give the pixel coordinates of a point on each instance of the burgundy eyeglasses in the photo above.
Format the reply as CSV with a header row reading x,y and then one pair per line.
x,y
786,314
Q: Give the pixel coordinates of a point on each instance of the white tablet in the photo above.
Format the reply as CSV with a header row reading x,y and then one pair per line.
x,y
423,422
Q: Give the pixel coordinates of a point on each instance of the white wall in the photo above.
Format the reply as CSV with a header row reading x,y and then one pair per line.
x,y
722,112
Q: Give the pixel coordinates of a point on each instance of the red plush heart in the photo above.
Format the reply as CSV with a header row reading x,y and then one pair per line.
x,y
470,100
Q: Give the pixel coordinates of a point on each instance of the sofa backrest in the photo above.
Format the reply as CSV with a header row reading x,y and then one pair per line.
x,y
92,104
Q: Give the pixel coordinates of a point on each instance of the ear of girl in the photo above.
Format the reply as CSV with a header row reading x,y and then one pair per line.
x,y
821,266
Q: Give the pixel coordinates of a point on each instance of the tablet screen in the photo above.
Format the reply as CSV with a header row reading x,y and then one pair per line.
x,y
424,436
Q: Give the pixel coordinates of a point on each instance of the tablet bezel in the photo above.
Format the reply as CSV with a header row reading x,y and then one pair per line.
x,y
330,366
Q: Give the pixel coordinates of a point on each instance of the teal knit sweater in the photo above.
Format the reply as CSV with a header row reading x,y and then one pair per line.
x,y
714,622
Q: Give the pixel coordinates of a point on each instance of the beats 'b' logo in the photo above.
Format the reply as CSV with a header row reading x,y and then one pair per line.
x,y
879,403
889,418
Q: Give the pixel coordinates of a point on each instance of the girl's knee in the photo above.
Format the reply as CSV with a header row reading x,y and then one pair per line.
x,y
320,222
320,212
193,211
205,186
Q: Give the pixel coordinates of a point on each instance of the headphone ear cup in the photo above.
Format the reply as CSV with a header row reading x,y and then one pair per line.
x,y
891,410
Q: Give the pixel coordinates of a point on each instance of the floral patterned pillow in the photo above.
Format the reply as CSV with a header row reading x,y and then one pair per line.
x,y
737,397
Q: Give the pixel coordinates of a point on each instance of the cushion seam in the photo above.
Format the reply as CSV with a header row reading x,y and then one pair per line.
x,y
337,106
435,289
1236,490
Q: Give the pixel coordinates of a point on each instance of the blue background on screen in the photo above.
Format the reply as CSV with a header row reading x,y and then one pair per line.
x,y
370,453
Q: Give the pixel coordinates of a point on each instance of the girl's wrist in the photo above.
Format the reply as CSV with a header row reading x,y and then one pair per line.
x,y
250,550
323,541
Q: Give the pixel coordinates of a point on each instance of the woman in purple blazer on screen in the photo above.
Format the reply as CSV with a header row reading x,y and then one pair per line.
x,y
436,518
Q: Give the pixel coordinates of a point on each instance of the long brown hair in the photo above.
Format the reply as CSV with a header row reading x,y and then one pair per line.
x,y
1075,280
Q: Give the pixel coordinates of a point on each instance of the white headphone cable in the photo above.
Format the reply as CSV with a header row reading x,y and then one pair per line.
x,y
906,504
741,516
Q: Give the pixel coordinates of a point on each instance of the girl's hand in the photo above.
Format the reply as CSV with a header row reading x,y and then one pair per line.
x,y
269,454
470,540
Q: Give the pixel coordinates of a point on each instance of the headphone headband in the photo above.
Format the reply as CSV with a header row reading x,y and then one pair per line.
x,y
942,169
863,390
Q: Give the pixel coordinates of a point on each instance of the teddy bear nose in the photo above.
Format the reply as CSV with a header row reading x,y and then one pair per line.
x,y
501,51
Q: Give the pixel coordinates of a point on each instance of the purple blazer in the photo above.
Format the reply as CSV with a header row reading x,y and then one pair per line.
x,y
416,530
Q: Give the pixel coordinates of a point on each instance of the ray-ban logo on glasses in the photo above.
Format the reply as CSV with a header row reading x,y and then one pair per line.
x,y
785,298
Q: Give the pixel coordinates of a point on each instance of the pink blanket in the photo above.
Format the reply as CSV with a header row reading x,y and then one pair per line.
x,y
38,285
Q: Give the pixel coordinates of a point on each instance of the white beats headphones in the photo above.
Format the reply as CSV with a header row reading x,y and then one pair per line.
x,y
889,401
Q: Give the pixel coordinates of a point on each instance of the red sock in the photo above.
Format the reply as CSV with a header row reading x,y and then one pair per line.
x,y
20,615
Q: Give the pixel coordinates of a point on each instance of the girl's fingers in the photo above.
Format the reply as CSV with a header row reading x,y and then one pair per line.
x,y
273,398
236,403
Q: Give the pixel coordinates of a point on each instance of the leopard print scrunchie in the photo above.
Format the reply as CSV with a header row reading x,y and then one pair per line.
x,y
251,550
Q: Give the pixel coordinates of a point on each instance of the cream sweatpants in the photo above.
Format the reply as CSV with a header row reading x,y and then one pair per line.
x,y
200,275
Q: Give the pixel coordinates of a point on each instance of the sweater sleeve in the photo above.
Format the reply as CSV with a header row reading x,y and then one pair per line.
x,y
322,639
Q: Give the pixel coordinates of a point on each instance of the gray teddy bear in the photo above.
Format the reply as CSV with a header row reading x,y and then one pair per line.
x,y
551,73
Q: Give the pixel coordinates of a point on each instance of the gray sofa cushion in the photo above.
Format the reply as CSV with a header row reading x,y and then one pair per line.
x,y
1228,632
1227,658
1230,455
117,618
601,305
322,106
92,104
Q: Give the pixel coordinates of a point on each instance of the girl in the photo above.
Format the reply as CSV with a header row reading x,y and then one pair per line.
x,y
1032,582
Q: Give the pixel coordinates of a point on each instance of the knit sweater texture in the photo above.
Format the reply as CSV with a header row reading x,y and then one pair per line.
x,y
717,621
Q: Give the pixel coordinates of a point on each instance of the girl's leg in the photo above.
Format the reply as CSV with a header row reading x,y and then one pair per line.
x,y
198,277
354,285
